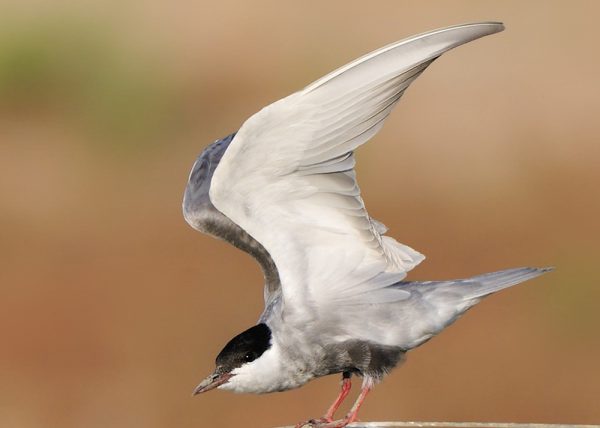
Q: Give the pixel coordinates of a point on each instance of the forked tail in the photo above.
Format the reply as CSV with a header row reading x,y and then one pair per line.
x,y
482,285
453,297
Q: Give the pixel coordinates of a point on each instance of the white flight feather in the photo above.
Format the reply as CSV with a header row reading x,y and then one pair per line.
x,y
287,177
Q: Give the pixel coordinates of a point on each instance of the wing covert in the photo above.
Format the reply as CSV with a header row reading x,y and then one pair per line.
x,y
201,214
287,178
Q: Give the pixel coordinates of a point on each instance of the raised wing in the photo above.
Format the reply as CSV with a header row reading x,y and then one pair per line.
x,y
287,177
201,214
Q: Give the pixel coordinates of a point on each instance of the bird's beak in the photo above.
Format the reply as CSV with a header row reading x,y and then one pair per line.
x,y
211,382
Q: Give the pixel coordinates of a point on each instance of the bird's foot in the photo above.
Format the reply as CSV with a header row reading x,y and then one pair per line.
x,y
314,422
327,422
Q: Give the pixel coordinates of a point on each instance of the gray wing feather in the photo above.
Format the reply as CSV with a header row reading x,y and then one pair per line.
x,y
474,288
438,304
432,306
201,214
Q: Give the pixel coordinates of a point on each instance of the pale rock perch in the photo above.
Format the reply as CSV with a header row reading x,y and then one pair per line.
x,y
283,189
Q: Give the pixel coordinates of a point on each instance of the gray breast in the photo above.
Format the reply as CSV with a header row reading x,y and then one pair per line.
x,y
202,215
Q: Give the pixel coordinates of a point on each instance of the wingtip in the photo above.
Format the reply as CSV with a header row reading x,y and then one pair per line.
x,y
499,26
538,271
492,26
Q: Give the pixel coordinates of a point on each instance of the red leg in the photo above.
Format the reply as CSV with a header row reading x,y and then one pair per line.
x,y
353,413
346,385
350,417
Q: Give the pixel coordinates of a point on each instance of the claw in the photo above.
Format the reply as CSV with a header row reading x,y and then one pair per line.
x,y
323,423
314,423
340,423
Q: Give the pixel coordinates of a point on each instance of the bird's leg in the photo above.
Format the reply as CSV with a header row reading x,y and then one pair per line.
x,y
352,414
328,417
346,385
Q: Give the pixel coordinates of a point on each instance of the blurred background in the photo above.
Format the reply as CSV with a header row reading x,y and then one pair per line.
x,y
112,308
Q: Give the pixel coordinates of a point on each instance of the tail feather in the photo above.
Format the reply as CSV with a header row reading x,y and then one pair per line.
x,y
482,285
460,294
434,305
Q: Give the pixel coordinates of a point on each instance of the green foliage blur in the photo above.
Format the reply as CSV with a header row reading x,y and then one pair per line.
x,y
76,71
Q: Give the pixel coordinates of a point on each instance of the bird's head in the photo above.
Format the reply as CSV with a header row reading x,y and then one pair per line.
x,y
243,349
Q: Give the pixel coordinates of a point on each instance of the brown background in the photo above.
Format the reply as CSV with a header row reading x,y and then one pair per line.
x,y
112,308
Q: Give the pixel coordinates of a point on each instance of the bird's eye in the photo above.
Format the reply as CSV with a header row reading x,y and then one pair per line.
x,y
250,356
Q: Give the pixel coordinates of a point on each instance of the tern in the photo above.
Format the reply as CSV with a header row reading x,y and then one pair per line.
x,y
283,189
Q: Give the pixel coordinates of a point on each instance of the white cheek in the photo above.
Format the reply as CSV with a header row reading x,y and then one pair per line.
x,y
255,377
261,375
231,385
239,379
267,374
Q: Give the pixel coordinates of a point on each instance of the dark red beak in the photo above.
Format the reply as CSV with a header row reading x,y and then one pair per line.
x,y
211,382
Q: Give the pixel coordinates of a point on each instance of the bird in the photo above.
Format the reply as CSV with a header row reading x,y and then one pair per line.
x,y
283,189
